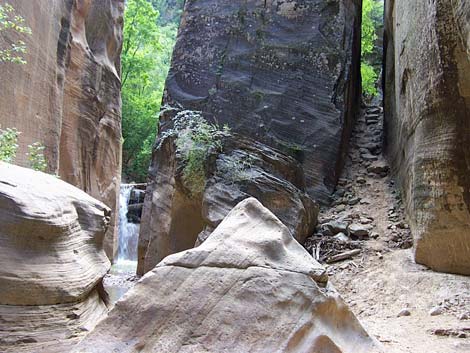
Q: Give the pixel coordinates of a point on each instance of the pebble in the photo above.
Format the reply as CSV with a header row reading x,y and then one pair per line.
x,y
404,312
437,310
464,316
354,201
358,230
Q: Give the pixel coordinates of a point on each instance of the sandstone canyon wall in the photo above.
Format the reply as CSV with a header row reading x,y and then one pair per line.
x,y
67,96
427,118
52,262
282,74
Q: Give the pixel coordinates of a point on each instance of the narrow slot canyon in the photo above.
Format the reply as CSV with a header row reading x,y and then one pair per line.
x,y
234,176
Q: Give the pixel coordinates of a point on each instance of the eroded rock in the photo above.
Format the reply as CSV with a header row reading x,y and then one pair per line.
x,y
250,287
427,118
173,219
280,72
52,261
67,95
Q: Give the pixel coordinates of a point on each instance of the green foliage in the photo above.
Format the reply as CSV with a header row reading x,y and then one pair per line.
x,y
236,168
372,16
8,144
196,139
170,11
36,158
369,79
11,22
145,59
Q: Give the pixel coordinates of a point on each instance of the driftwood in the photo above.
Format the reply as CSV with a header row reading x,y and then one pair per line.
x,y
343,256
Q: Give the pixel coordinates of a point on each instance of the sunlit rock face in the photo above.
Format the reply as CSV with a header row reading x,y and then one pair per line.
x,y
427,117
250,287
67,96
52,261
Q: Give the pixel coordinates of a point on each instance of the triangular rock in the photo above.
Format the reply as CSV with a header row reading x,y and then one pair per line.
x,y
250,287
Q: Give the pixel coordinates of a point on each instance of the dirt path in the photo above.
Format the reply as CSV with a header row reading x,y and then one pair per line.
x,y
383,281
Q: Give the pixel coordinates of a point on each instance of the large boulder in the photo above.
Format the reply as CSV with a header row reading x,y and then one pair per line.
x,y
284,73
52,261
67,95
174,219
427,120
250,287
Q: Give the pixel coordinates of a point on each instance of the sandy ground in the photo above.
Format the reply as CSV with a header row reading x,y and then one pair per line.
x,y
384,280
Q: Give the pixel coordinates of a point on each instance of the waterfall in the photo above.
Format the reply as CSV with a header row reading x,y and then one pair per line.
x,y
128,232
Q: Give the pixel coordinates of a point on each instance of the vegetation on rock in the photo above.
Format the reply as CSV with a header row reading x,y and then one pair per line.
x,y
8,144
10,21
195,140
146,56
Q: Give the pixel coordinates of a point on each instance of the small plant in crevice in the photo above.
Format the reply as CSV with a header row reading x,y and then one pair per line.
x,y
196,139
36,158
8,144
236,168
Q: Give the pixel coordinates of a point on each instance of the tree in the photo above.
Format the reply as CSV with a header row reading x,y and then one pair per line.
x,y
146,58
11,22
372,16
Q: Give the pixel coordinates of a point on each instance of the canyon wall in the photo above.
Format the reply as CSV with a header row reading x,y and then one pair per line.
x,y
282,74
67,96
427,124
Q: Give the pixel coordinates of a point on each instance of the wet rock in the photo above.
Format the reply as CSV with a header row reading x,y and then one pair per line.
x,y
251,278
52,261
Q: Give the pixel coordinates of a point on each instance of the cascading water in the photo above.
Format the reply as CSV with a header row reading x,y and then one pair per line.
x,y
128,232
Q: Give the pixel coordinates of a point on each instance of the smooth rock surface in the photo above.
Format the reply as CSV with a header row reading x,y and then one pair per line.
x,y
250,287
67,96
280,72
51,261
174,220
427,121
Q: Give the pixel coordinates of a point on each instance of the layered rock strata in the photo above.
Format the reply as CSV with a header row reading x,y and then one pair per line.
x,y
52,261
250,287
67,95
174,219
427,123
282,72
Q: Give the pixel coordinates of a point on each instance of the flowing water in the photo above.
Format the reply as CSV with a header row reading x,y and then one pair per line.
x,y
122,273
128,232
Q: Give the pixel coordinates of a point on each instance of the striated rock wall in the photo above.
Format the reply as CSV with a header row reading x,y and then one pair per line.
x,y
250,287
282,72
52,261
427,118
67,96
175,219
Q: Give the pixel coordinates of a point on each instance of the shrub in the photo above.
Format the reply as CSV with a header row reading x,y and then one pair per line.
x,y
36,158
369,79
8,144
196,139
